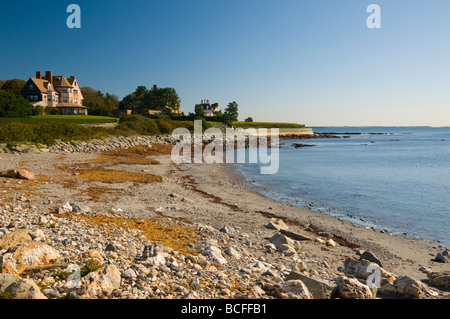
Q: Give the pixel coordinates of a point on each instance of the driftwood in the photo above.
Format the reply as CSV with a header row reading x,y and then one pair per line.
x,y
44,267
293,235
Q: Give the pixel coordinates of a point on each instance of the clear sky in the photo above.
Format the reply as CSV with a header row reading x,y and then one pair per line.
x,y
307,61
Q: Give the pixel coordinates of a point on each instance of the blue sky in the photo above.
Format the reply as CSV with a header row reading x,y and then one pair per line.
x,y
311,62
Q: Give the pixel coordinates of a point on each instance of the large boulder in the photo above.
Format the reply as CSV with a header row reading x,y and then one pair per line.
x,y
408,286
404,286
25,174
440,278
18,237
9,173
319,288
20,174
18,258
443,257
276,223
24,289
280,239
6,280
352,288
214,254
292,289
370,256
105,279
364,268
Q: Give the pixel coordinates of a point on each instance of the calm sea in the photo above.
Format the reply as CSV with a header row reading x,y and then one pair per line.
x,y
395,179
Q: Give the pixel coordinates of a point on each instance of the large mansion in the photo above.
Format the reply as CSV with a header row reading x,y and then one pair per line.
x,y
55,91
208,108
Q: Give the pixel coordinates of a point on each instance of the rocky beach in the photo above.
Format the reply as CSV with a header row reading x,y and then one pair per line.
x,y
117,219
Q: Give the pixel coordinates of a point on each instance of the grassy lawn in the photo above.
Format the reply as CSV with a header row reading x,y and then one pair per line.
x,y
245,125
78,119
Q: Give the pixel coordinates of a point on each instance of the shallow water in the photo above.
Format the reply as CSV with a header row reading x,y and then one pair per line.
x,y
396,180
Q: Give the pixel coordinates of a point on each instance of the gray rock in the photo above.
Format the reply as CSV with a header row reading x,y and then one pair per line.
x,y
214,254
80,208
319,288
17,237
440,278
155,249
408,286
280,239
195,284
292,289
110,247
6,280
25,289
443,257
277,224
226,230
368,255
351,288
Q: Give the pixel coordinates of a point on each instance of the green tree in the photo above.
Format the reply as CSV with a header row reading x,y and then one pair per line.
x,y
14,86
136,100
249,119
1,84
230,113
97,103
13,105
198,111
142,100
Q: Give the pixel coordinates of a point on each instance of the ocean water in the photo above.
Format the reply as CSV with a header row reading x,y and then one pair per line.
x,y
395,179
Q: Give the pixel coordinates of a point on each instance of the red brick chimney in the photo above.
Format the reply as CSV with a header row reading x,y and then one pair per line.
x,y
49,76
72,77
38,75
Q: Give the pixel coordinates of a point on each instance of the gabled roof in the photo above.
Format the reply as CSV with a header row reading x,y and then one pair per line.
x,y
61,81
41,84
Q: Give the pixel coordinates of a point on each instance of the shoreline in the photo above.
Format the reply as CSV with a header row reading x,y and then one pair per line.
x,y
213,195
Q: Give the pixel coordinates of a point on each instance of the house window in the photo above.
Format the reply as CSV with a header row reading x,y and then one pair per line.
x,y
50,98
76,101
75,91
70,100
64,99
64,90
31,86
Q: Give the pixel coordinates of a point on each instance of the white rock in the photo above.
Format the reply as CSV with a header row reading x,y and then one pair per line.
x,y
67,208
230,251
214,254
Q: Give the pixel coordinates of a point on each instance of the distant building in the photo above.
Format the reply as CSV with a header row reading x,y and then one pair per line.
x,y
59,92
209,108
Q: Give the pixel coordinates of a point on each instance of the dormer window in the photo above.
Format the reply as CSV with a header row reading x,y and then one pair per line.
x,y
31,86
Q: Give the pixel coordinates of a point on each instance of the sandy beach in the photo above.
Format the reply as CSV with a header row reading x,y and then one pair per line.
x,y
213,195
